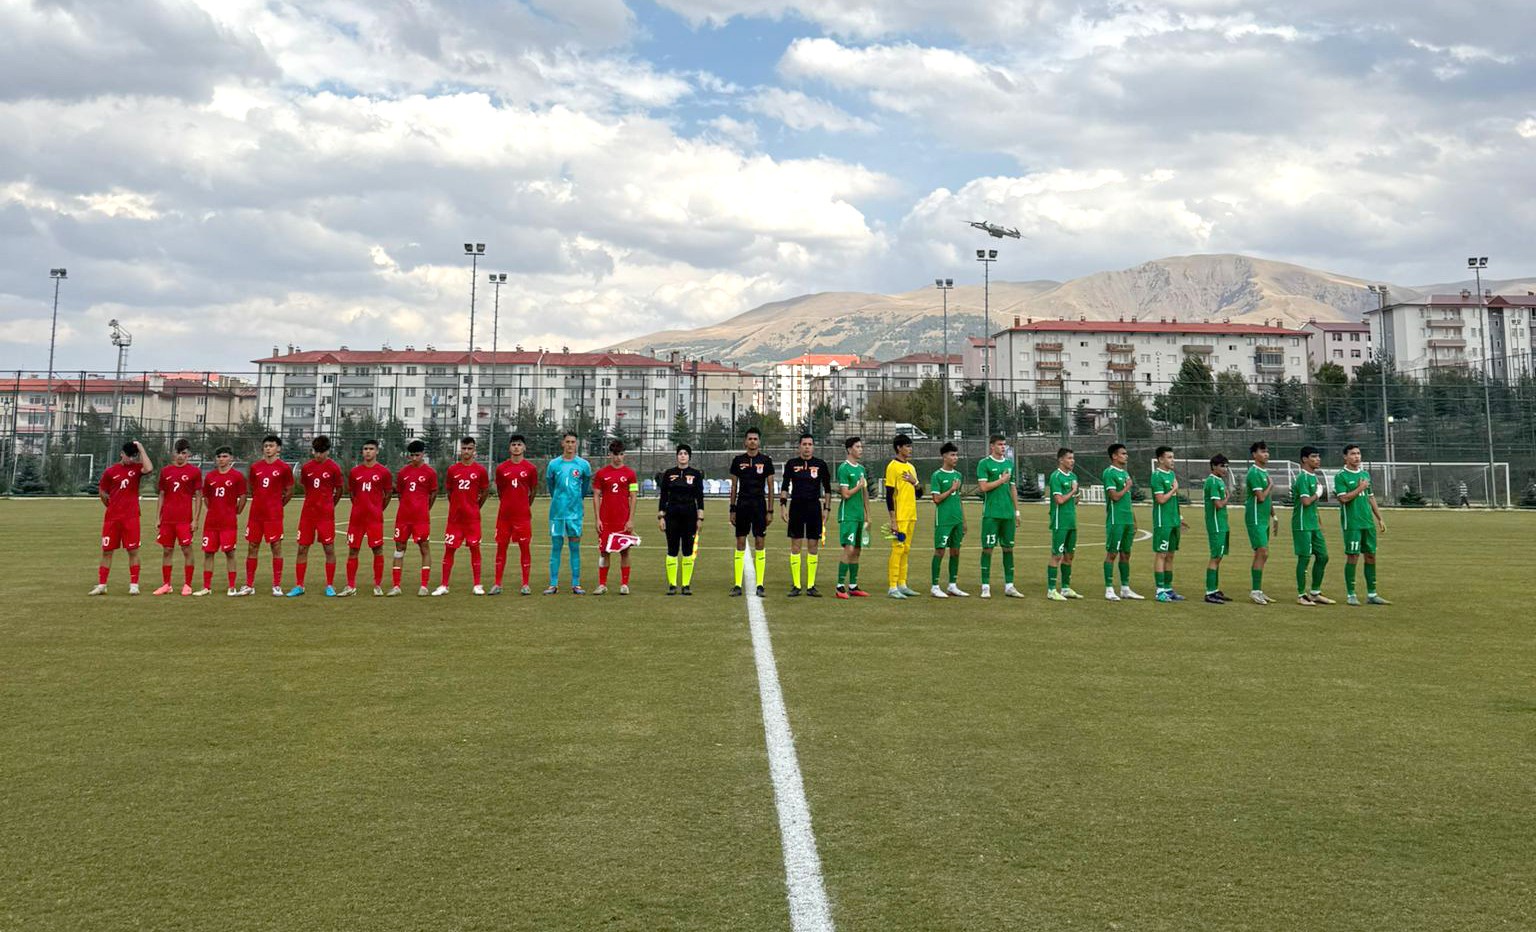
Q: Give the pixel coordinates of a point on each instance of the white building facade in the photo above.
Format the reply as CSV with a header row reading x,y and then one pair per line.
x,y
1344,344
798,384
1457,331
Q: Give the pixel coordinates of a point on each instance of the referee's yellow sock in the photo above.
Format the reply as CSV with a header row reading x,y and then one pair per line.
x,y
737,565
760,565
688,570
671,571
794,570
810,571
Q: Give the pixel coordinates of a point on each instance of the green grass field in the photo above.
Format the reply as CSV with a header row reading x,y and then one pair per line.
x,y
599,763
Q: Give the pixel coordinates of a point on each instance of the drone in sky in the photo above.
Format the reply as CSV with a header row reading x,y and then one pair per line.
x,y
994,230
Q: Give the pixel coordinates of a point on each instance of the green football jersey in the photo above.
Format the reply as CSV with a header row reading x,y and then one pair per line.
x,y
950,511
998,503
1255,512
1117,512
1215,491
1303,517
1355,513
848,476
1165,515
1064,515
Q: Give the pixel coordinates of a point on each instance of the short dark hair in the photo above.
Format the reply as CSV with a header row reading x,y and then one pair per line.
x,y
995,438
466,440
223,451
320,444
806,437
371,443
1256,446
272,438
900,440
1350,446
1158,453
1063,451
1115,448
183,445
130,448
416,446
685,448
948,447
848,444
616,446
752,430
569,433
1219,459
515,438
1309,451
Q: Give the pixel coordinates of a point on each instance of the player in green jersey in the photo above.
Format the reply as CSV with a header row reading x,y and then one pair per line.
x,y
999,514
1166,524
945,487
1360,517
1063,489
1258,516
1119,524
1217,531
1306,533
853,490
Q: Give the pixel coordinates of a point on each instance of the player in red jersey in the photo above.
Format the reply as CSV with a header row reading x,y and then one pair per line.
x,y
119,490
468,486
321,480
517,481
224,495
369,485
180,507
614,490
271,490
416,487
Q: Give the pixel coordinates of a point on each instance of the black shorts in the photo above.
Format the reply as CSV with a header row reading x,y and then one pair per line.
x,y
805,519
750,519
682,528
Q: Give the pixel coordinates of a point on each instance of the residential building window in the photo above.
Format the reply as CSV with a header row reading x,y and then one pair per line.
x,y
410,370
410,393
1354,338
328,379
202,418
1354,354
410,412
1337,354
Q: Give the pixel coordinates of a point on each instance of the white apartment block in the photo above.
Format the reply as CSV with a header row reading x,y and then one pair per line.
x,y
797,385
307,392
161,402
1345,344
1450,331
908,372
1093,358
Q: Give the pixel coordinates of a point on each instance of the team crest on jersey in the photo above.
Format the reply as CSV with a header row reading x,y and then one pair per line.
x,y
813,471
759,469
689,479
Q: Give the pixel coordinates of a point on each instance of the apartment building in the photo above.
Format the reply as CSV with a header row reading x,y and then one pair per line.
x,y
1346,344
162,402
1458,330
797,385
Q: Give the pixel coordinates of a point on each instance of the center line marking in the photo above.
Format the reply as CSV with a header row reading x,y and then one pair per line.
x,y
809,910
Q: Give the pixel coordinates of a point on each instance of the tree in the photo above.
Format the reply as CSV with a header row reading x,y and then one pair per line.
x,y
1131,413
1235,402
1083,420
1330,393
682,427
1192,393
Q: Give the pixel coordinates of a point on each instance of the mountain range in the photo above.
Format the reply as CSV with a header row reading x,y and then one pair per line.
x,y
1239,288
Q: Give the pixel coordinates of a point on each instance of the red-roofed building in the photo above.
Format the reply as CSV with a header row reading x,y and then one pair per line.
x,y
155,402
799,384
1448,330
1346,344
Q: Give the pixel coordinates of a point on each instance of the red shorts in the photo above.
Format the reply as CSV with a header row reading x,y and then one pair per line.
x,y
513,529
462,535
169,535
371,531
316,527
220,538
257,531
417,531
603,530
118,533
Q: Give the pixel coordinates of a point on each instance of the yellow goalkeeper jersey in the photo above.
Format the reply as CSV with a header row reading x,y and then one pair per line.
x,y
905,493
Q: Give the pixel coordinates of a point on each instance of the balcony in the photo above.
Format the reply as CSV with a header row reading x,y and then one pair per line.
x,y
1120,347
1048,364
1451,343
1271,350
1048,347
1122,367
1048,383
1453,323
1268,366
1202,349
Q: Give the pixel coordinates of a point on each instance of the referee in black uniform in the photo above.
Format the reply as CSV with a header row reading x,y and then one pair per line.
x,y
681,515
751,506
805,495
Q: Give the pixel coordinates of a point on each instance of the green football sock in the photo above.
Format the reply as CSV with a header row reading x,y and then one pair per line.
x,y
1050,577
1350,569
1319,563
1157,580
1125,573
954,567
1066,576
1008,567
1212,583
937,564
986,567
1301,575
1258,579
853,576
1109,576
1370,579
842,573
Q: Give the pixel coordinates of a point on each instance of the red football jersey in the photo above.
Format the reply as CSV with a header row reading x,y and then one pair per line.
x,y
515,485
368,485
268,483
121,484
321,479
465,482
179,485
615,483
221,490
415,485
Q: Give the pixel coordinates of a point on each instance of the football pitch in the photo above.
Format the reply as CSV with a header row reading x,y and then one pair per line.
x,y
588,763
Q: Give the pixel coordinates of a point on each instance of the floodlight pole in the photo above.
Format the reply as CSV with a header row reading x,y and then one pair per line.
x,y
497,280
58,275
944,285
1477,264
1380,291
986,257
474,251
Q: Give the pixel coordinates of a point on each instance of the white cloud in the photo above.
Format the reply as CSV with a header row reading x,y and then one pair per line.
x,y
799,112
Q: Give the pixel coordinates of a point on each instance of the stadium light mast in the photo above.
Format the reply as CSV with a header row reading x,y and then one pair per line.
x,y
1380,291
497,279
474,251
945,285
121,339
986,257
58,276
1477,264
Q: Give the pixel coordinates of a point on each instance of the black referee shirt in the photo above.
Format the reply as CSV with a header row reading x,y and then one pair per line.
x,y
806,479
752,475
682,490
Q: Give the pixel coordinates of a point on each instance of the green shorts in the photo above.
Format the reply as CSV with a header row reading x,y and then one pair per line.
x,y
1064,540
850,533
1119,537
1221,543
1258,535
1165,539
1360,540
997,532
1309,543
948,536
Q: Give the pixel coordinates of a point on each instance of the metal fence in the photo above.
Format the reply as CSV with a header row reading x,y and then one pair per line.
x,y
58,441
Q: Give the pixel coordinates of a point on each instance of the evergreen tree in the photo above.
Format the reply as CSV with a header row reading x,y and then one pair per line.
x,y
1192,394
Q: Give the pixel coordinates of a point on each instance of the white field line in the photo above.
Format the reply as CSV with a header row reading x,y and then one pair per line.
x,y
809,910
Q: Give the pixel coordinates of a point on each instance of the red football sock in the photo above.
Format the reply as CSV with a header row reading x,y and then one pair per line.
x,y
351,572
133,574
330,572
231,579
250,571
624,575
394,574
448,556
299,567
165,573
188,572
525,558
207,579
501,562
277,571
426,575
378,569
474,563
101,574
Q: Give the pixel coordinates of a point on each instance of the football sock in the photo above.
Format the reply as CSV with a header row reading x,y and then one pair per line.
x,y
1168,578
556,546
231,579
395,572
207,579
1370,579
250,571
277,571
760,565
1008,566
300,569
1350,570
426,574
187,574
165,573
501,563
794,570
449,555
893,566
1319,564
1066,576
378,569
842,573
330,572
133,574
986,567
810,570
1212,582
1050,577
1301,575
1125,574
853,576
1109,575
954,567
737,564
525,558
933,575
1257,577
688,569
623,575
474,564
575,546
671,570
101,574
602,571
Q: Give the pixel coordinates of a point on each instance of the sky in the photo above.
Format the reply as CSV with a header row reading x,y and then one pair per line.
x,y
223,176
